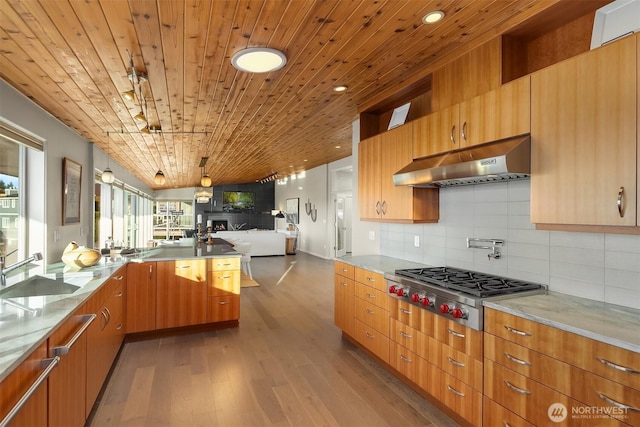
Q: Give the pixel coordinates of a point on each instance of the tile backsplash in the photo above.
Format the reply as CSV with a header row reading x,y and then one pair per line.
x,y
603,267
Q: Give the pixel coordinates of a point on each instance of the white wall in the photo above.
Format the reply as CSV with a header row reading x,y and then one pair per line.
x,y
61,142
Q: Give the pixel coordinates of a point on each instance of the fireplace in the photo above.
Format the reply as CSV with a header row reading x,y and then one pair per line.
x,y
219,225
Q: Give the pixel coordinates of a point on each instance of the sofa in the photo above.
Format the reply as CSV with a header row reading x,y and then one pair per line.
x,y
263,242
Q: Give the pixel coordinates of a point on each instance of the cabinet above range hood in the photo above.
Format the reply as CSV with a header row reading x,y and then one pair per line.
x,y
503,160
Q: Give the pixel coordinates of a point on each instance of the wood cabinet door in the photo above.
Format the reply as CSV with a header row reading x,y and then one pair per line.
x,y
141,297
369,182
396,148
182,293
437,133
583,128
344,307
67,383
499,114
34,412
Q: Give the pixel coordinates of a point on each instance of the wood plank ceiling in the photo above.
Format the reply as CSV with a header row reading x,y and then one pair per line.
x,y
72,58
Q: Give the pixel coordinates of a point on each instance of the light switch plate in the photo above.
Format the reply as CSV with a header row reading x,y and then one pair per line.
x,y
416,241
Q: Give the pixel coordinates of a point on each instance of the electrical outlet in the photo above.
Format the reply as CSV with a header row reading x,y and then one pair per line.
x,y
372,235
416,241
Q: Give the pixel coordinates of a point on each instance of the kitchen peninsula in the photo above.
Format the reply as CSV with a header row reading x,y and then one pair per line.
x,y
80,333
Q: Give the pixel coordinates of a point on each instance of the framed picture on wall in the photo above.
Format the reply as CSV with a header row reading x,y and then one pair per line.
x,y
71,190
293,206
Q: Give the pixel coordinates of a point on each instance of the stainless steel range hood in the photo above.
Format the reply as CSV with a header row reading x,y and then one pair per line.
x,y
507,159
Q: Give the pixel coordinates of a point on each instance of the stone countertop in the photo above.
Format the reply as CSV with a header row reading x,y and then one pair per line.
x,y
608,323
26,322
378,263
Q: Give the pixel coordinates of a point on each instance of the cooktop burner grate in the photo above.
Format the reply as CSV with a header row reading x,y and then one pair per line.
x,y
469,282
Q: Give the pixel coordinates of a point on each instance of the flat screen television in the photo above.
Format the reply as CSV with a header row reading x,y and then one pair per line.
x,y
237,201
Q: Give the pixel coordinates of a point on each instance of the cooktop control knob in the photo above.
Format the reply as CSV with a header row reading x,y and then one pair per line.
x,y
445,308
416,297
459,313
428,301
402,292
393,289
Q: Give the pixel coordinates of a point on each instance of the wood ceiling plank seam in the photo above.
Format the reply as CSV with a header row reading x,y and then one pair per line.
x,y
146,22
101,37
329,7
125,38
197,23
172,28
48,92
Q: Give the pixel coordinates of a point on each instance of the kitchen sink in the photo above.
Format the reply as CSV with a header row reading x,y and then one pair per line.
x,y
38,286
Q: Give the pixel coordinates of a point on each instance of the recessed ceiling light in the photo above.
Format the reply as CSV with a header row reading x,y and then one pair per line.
x,y
340,88
258,60
433,17
338,146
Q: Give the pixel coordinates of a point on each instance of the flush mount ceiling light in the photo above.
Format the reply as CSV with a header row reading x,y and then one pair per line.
x,y
433,17
340,88
258,60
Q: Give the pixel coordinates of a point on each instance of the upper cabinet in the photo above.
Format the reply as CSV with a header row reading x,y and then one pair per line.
x,y
497,114
584,142
379,157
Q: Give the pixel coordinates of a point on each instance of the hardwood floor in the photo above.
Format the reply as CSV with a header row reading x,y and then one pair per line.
x,y
285,365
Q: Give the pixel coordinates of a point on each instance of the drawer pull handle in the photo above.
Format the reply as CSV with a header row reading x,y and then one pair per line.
x,y
118,278
378,207
61,350
517,389
119,326
619,202
119,294
344,270
343,284
405,359
456,334
405,311
371,279
451,137
406,335
610,401
506,424
373,337
224,277
455,362
516,360
372,296
454,391
516,331
618,367
370,311
48,366
223,302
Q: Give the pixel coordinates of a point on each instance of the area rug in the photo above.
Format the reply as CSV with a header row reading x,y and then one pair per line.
x,y
246,282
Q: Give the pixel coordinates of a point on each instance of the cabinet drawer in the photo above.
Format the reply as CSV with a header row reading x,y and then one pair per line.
x,y
220,309
369,278
222,264
429,377
344,269
373,340
405,312
460,337
373,316
403,360
463,367
531,400
225,282
461,398
498,415
372,295
606,360
405,335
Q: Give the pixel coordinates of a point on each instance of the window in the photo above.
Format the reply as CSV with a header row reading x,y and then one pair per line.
x,y
172,218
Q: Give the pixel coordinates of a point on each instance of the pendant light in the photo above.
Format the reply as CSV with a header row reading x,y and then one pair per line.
x,y
205,179
107,176
159,179
140,116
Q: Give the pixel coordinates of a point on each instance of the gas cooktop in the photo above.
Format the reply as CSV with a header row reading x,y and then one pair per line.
x,y
473,283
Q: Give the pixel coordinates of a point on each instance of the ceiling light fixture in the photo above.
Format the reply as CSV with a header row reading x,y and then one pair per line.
x,y
433,17
140,116
205,179
340,88
258,60
159,179
107,176
268,178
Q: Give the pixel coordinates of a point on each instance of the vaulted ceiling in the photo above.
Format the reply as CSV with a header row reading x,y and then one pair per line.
x,y
72,58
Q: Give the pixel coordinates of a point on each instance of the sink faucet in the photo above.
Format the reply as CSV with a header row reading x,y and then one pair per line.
x,y
4,270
